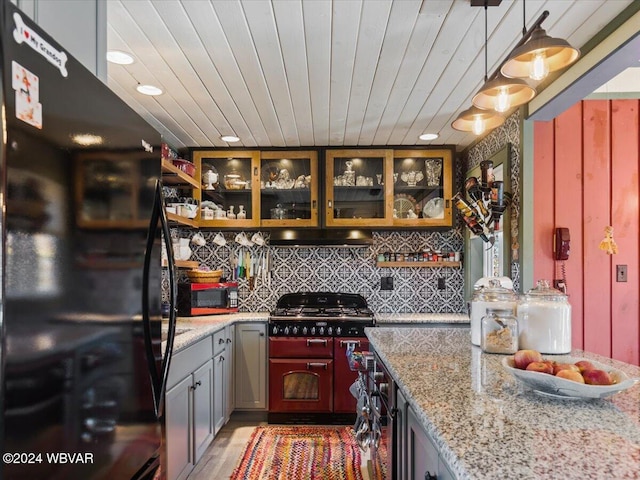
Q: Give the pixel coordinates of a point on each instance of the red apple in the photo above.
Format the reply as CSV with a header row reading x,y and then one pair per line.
x,y
569,374
565,366
522,358
585,365
542,367
597,377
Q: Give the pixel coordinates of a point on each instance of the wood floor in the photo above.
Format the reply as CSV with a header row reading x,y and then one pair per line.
x,y
221,457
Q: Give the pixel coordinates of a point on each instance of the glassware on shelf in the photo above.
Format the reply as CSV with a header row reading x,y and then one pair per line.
x,y
412,177
349,174
242,215
230,213
433,171
210,179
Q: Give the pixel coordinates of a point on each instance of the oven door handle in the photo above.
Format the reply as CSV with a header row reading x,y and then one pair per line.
x,y
347,343
315,341
311,365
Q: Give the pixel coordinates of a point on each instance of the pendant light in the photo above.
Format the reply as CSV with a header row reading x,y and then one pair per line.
x,y
539,56
474,119
477,121
500,93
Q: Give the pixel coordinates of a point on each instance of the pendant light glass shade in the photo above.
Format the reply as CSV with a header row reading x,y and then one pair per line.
x,y
501,94
477,121
539,56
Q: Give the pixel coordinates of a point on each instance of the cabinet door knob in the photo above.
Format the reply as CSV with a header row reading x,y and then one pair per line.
x,y
262,334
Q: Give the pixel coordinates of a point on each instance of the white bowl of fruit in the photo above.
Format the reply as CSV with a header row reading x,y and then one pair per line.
x,y
565,376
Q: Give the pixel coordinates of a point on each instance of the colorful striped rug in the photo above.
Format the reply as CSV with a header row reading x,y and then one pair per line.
x,y
300,453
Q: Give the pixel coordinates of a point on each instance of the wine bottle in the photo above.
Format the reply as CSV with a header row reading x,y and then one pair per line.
x,y
470,217
472,187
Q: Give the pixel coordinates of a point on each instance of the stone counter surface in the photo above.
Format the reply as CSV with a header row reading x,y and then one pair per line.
x,y
383,319
191,329
487,426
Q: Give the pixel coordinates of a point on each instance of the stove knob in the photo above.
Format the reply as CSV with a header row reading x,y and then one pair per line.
x,y
338,330
274,330
313,330
304,330
294,331
329,331
321,331
286,330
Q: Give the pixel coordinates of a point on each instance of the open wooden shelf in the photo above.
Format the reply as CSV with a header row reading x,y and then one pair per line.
x,y
172,175
418,264
172,217
184,264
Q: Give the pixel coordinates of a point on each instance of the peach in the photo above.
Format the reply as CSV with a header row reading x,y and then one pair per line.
x,y
522,358
565,366
597,377
569,374
585,365
542,367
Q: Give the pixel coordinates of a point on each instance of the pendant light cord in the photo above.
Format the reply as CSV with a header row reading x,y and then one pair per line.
x,y
524,18
486,2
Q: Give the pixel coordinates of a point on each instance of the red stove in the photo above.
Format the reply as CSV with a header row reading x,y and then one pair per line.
x,y
309,375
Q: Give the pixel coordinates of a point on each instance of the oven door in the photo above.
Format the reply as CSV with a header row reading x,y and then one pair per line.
x,y
301,385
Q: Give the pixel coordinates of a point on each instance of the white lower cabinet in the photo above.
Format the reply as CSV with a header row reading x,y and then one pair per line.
x,y
203,412
229,371
423,460
219,392
178,431
189,408
251,366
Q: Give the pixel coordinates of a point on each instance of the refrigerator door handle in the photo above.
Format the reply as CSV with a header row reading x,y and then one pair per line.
x,y
159,380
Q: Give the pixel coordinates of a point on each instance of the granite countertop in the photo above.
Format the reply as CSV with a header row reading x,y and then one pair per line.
x,y
420,318
487,426
191,329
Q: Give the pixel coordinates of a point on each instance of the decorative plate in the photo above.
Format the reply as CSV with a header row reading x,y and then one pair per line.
x,y
434,208
551,386
403,204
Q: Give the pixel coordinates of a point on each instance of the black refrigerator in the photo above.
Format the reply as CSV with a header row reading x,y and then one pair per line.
x,y
82,361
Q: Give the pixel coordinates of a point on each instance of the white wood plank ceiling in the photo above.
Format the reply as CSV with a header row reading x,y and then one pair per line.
x,y
289,73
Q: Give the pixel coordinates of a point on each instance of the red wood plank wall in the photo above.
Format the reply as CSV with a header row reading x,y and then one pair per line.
x,y
586,177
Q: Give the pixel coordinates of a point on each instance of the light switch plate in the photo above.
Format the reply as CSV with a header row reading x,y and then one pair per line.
x,y
621,273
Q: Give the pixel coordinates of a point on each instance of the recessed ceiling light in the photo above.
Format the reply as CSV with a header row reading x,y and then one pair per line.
x,y
87,139
230,138
428,136
149,90
119,57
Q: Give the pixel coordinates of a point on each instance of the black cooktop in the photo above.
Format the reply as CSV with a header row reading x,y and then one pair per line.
x,y
329,306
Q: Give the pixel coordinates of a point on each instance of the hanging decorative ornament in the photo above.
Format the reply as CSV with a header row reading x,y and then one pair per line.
x,y
608,244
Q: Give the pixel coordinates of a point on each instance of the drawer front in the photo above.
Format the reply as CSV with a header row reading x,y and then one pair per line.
x,y
219,341
188,360
307,347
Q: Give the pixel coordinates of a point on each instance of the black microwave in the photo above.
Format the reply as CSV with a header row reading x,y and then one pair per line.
x,y
207,298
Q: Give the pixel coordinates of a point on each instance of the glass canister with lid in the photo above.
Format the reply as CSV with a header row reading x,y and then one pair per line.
x,y
544,320
493,295
499,331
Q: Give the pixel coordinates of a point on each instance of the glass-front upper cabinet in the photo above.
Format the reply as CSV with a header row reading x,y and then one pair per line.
x,y
289,189
358,187
422,188
230,185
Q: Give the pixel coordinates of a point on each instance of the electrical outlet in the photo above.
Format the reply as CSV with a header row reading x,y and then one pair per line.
x,y
621,273
386,283
441,284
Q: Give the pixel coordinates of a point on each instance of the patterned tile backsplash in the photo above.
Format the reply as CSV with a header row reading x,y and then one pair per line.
x,y
351,270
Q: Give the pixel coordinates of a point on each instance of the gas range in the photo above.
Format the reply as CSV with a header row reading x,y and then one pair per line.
x,y
323,314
